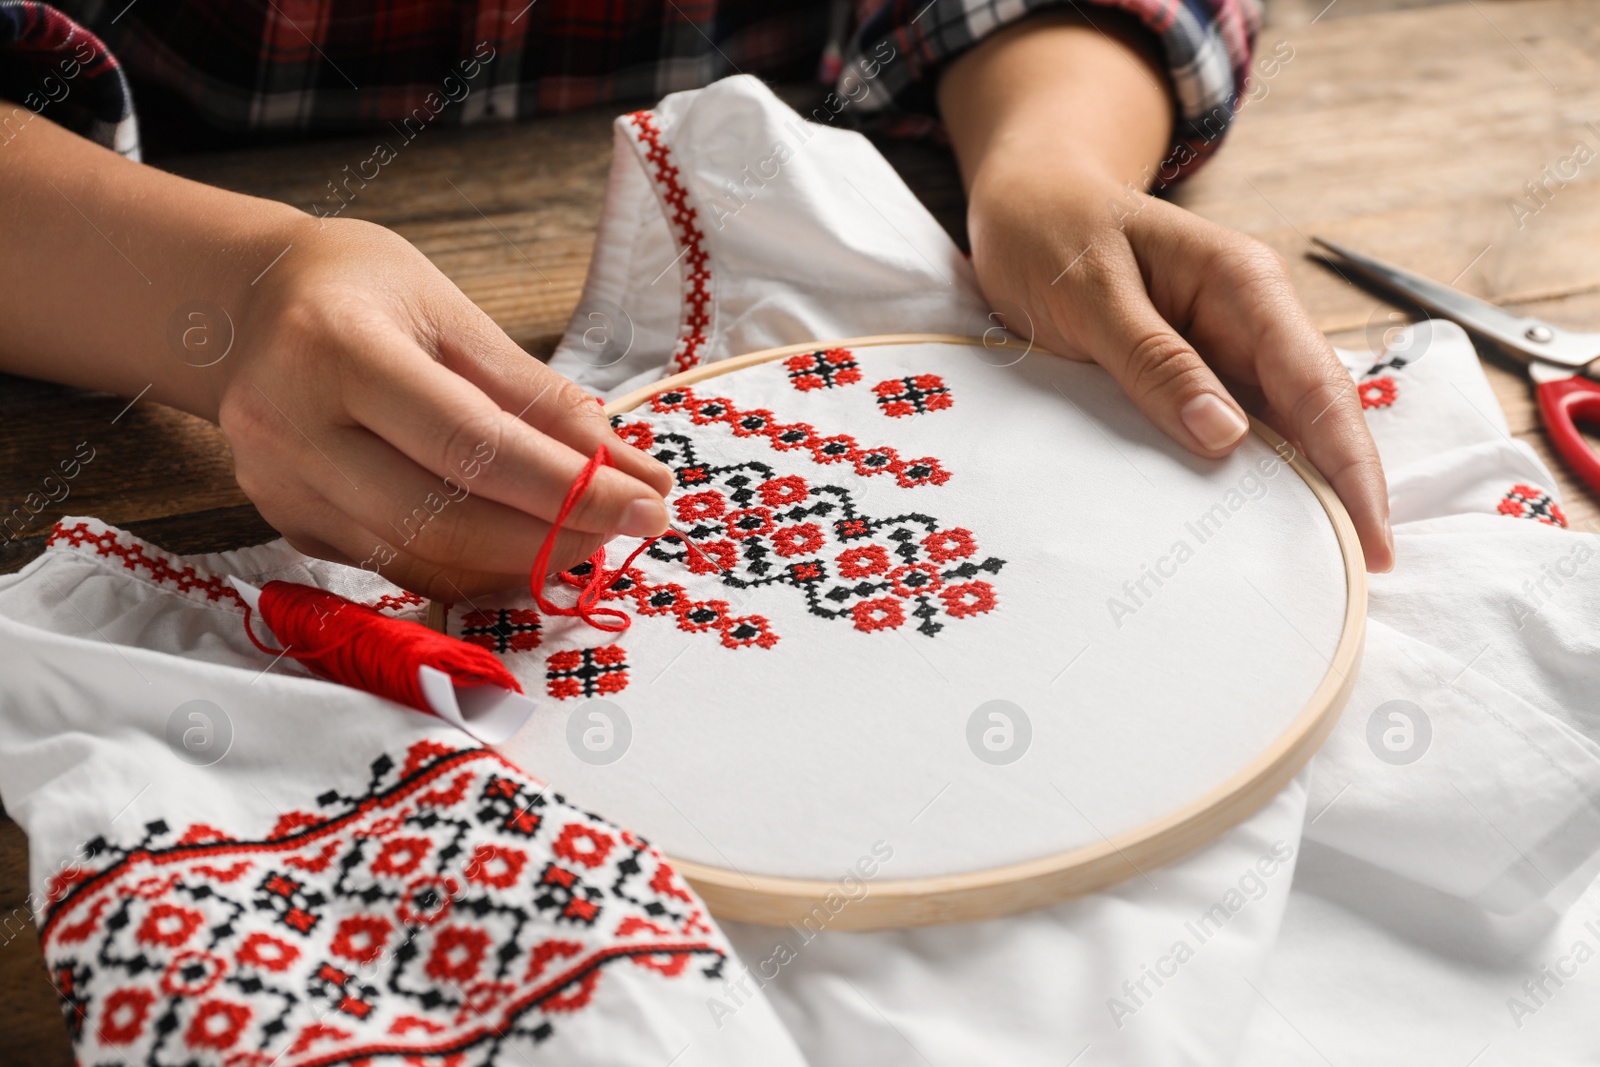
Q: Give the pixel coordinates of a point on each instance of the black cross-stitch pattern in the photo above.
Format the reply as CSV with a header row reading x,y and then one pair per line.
x,y
754,527
439,913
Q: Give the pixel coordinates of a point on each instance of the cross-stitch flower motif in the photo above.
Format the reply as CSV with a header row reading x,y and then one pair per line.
x,y
503,630
335,950
750,527
830,369
912,395
586,672
787,437
1530,502
1378,392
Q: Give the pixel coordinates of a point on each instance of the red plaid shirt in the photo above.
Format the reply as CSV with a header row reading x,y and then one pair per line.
x,y
204,72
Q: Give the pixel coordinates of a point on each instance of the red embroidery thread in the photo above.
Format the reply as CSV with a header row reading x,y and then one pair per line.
x,y
786,437
503,630
1378,392
674,195
166,570
912,395
751,526
828,369
362,963
586,672
1530,502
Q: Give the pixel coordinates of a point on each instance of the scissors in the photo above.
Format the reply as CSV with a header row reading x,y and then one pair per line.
x,y
1562,363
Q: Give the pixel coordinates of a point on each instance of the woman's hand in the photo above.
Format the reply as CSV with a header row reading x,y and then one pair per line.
x,y
379,418
1054,123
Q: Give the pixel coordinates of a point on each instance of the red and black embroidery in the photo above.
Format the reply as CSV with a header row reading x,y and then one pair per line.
x,y
751,527
163,569
827,369
912,395
1379,386
452,906
1531,502
787,437
692,616
674,195
1377,392
586,672
504,630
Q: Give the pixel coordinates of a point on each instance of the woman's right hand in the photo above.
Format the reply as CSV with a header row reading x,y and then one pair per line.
x,y
379,418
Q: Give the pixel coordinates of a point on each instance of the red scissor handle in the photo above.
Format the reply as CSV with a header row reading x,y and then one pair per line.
x,y
1564,403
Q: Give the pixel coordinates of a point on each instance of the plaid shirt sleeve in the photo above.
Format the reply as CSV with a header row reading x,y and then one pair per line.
x,y
236,70
52,66
886,74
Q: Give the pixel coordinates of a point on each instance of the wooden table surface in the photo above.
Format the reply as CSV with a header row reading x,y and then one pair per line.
x,y
1408,133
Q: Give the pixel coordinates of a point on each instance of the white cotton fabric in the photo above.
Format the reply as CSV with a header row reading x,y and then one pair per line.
x,y
756,760
1426,892
97,656
1440,911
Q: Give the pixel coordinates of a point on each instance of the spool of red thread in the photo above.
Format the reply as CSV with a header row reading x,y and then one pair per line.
x,y
399,660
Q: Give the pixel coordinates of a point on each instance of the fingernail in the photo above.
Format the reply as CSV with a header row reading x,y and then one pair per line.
x,y
1388,539
642,518
1214,424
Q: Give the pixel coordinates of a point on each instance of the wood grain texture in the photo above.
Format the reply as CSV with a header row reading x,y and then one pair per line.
x,y
31,1031
1411,135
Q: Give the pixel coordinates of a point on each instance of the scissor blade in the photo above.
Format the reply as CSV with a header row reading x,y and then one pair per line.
x,y
1525,338
1478,315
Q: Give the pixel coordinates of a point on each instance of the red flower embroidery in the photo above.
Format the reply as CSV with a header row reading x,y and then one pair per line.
x,y
913,395
279,964
191,974
401,855
713,557
749,522
168,924
122,1018
638,434
1378,392
697,507
968,598
1530,502
586,672
946,545
496,866
457,954
797,540
822,370
217,1025
267,952
880,613
583,844
780,492
361,938
914,580
863,561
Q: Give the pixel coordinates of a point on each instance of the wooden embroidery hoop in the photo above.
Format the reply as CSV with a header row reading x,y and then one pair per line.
x,y
1000,891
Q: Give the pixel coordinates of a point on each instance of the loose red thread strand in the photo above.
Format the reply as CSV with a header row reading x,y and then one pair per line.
x,y
356,646
610,620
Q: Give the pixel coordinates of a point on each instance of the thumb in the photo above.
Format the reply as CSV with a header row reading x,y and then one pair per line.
x,y
1120,329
